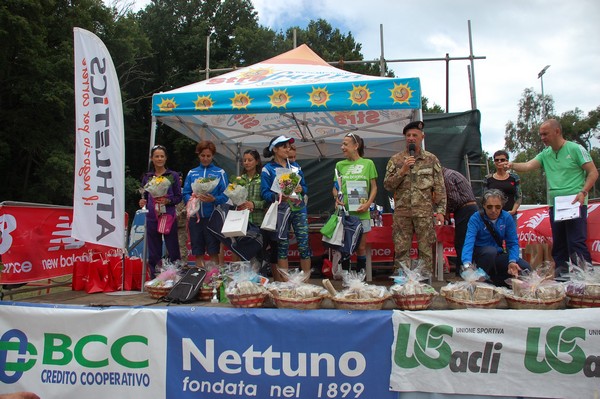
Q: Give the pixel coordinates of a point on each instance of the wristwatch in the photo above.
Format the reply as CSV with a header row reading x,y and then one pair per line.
x,y
585,193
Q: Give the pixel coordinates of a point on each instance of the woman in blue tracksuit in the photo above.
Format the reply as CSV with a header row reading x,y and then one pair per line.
x,y
201,239
278,149
485,249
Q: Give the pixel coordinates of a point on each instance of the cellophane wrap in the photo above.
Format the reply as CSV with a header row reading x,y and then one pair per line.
x,y
356,288
411,281
295,287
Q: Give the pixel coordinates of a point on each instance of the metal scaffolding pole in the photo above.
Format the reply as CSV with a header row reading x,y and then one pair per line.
x,y
383,63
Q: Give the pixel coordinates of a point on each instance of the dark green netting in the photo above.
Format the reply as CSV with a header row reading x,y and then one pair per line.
x,y
449,136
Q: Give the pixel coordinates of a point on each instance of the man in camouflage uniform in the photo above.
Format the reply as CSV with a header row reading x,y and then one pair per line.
x,y
417,183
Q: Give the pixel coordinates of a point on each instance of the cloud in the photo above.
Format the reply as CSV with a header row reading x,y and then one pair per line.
x,y
518,38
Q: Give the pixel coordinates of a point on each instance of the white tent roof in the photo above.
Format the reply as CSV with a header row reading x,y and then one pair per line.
x,y
296,94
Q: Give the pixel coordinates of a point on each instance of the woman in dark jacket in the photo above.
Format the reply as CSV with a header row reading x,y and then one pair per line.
x,y
161,206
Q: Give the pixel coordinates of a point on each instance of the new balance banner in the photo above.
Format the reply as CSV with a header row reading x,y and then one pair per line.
x,y
99,198
36,243
534,227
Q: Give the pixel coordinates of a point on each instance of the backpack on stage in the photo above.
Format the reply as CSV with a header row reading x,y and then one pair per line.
x,y
187,289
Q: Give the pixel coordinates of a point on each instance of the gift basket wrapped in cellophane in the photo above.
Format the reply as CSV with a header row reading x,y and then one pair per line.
x,y
536,290
472,292
409,291
164,281
583,287
295,293
211,283
358,295
246,287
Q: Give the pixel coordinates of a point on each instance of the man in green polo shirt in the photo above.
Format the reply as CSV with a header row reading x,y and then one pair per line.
x,y
569,171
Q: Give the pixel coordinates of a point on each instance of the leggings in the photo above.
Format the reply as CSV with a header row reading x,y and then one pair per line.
x,y
299,220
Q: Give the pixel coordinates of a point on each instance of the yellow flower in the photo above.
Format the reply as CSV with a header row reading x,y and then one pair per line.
x,y
157,180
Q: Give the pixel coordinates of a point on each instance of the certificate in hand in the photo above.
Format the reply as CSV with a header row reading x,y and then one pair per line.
x,y
564,209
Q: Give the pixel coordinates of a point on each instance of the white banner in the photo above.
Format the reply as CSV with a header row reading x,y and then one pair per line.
x,y
99,197
532,353
54,352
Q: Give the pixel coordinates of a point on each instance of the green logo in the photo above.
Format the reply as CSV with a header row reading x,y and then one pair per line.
x,y
561,343
432,351
428,337
60,350
15,341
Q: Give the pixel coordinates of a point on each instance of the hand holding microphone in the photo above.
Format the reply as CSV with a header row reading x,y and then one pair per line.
x,y
412,148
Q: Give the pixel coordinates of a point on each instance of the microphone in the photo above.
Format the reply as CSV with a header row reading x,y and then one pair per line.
x,y
411,150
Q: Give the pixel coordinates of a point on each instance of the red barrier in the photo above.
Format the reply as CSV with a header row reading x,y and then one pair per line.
x,y
534,227
36,243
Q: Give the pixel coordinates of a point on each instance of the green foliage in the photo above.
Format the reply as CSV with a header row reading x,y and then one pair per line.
x,y
522,137
523,134
533,184
435,109
332,45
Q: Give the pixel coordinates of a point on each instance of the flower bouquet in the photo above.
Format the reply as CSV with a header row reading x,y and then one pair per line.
x,y
236,191
288,183
204,185
200,186
158,187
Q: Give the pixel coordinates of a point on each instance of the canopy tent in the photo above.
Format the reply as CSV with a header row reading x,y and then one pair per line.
x,y
297,94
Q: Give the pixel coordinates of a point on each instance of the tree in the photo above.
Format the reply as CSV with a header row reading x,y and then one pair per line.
x,y
36,90
578,128
36,95
333,45
435,108
523,137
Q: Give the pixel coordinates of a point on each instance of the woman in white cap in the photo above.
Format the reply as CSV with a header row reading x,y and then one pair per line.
x,y
278,150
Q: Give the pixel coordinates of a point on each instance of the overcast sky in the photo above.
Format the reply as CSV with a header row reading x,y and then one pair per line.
x,y
517,37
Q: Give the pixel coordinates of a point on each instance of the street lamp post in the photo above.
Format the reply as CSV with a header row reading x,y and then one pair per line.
x,y
541,78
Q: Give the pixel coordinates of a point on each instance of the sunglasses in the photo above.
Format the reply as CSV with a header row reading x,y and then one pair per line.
x,y
500,160
158,146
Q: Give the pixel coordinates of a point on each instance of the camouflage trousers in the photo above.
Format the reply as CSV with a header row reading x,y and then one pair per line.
x,y
403,228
